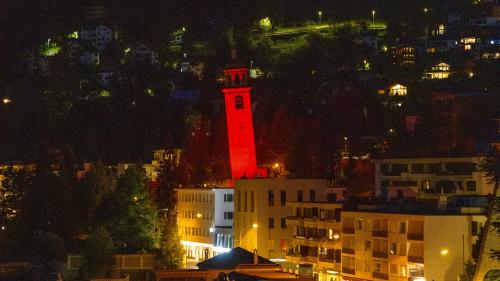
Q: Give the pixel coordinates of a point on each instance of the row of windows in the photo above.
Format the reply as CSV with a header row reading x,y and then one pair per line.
x,y
190,214
322,214
464,168
282,223
320,233
196,197
300,197
375,266
245,199
194,231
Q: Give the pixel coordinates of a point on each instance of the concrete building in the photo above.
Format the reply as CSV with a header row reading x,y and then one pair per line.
x,y
314,239
428,178
261,211
205,219
379,245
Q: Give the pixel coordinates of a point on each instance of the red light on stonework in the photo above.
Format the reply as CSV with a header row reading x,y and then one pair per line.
x,y
239,124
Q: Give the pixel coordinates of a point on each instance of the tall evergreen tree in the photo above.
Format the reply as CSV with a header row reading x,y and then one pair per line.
x,y
129,212
170,252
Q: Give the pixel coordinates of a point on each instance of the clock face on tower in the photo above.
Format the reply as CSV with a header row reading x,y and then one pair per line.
x,y
239,124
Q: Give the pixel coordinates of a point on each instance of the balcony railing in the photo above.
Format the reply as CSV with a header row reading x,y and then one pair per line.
x,y
292,218
348,270
381,255
415,259
327,258
347,230
348,251
380,275
379,233
415,236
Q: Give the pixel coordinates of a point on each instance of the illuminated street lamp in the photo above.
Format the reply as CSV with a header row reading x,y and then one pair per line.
x,y
319,15
426,10
373,16
254,226
6,101
198,215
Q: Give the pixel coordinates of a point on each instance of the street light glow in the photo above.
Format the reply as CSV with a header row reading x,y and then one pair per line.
x,y
198,215
255,225
336,236
444,252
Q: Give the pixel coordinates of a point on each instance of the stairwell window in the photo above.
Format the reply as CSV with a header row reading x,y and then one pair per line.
x,y
238,102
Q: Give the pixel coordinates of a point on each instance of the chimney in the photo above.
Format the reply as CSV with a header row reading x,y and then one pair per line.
x,y
255,257
234,55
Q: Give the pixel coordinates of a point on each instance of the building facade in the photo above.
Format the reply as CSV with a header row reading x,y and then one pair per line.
x,y
396,246
261,211
314,232
428,178
205,219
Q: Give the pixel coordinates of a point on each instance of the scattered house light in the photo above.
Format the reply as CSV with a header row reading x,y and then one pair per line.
x,y
73,35
398,90
6,101
439,71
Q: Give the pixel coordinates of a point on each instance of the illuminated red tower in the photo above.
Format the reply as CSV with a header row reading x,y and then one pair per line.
x,y
239,123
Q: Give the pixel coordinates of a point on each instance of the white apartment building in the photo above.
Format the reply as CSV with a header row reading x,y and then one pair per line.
x,y
205,218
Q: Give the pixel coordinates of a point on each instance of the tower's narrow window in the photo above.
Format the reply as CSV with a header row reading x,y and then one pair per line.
x,y
238,102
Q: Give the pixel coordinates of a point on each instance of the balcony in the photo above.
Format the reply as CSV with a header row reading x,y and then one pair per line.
x,y
379,233
416,236
380,275
348,270
327,258
348,251
380,255
347,230
415,259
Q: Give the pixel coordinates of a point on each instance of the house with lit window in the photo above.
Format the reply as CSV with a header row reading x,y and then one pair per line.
x,y
438,71
403,54
398,90
314,239
405,243
470,43
439,45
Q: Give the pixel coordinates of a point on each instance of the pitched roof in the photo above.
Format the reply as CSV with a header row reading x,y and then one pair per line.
x,y
231,259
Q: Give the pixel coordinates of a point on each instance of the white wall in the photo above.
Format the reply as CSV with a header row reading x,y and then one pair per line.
x,y
221,207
